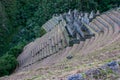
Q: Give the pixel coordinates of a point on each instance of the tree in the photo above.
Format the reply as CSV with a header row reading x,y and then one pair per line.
x,y
7,64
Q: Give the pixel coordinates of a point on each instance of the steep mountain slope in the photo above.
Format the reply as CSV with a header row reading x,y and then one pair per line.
x,y
27,16
91,53
21,21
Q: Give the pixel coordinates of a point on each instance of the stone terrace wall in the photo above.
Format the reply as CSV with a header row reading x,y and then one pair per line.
x,y
52,42
50,24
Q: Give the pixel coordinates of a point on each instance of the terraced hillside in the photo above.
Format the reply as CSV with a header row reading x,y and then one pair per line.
x,y
56,60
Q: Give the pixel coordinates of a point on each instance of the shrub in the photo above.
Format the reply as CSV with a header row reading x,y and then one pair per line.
x,y
42,31
7,64
16,50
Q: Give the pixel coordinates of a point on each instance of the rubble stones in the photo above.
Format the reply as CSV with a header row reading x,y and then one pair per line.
x,y
98,73
114,66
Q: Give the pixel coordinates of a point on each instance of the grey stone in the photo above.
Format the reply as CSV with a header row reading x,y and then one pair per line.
x,y
76,77
69,57
98,12
114,66
91,16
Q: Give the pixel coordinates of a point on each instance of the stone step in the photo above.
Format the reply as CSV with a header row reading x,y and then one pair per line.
x,y
94,28
97,34
44,50
114,18
111,23
107,35
85,45
116,13
99,19
100,28
96,41
107,22
49,61
72,51
91,41
54,20
52,25
48,26
80,46
105,31
112,29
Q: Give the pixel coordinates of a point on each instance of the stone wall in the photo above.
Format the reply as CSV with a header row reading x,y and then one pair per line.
x,y
51,43
57,37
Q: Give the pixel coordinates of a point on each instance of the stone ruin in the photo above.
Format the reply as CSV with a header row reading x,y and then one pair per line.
x,y
62,30
53,52
77,24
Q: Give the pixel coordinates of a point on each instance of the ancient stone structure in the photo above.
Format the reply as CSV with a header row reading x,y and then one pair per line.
x,y
77,24
52,42
62,30
63,59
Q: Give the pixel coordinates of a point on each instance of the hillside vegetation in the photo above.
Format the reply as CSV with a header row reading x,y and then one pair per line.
x,y
21,21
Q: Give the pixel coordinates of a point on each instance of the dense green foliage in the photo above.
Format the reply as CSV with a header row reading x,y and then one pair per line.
x,y
16,50
7,64
21,21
